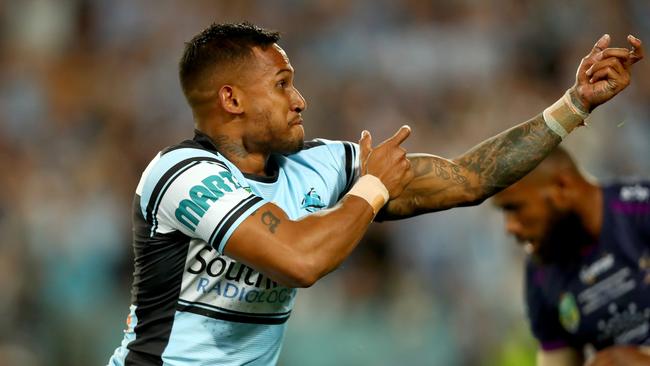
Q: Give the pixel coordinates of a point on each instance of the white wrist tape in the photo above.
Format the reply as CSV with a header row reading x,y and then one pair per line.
x,y
371,189
563,116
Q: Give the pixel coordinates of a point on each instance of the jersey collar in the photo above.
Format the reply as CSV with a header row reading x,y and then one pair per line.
x,y
272,168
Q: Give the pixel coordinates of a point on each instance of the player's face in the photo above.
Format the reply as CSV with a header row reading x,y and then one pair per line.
x,y
550,233
528,213
273,104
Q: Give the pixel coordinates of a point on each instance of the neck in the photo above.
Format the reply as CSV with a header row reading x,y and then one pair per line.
x,y
235,151
231,145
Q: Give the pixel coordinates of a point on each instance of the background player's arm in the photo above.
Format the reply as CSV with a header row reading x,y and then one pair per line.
x,y
503,159
296,253
621,355
560,357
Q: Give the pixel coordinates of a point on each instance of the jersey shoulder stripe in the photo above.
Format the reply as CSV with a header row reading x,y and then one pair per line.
x,y
202,197
340,151
164,169
165,182
345,157
229,219
350,153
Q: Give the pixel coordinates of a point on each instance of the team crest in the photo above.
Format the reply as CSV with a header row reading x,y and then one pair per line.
x,y
569,313
312,202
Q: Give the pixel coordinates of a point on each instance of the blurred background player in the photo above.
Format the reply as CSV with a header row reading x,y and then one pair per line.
x,y
588,269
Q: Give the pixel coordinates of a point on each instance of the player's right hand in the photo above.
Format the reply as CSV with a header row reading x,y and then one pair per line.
x,y
605,71
387,161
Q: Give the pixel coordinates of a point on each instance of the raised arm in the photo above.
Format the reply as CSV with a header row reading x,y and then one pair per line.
x,y
499,161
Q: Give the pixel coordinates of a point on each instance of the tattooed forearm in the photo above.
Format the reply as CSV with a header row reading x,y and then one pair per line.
x,y
489,167
270,220
507,157
456,173
425,165
438,184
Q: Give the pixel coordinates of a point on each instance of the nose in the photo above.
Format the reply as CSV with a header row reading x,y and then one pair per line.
x,y
298,103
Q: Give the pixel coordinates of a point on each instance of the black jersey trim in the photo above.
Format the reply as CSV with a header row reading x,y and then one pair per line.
x,y
230,218
349,168
312,143
230,311
272,170
226,216
153,212
155,297
231,317
349,160
167,179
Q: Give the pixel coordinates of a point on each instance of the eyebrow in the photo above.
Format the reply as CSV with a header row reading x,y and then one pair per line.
x,y
284,70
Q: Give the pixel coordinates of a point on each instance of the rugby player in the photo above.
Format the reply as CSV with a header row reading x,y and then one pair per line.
x,y
228,224
588,272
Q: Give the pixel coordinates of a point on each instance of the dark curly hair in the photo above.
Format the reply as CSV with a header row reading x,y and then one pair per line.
x,y
220,45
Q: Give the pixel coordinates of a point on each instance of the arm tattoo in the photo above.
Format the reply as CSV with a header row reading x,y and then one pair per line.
x,y
227,146
440,168
270,220
435,180
445,169
508,156
479,173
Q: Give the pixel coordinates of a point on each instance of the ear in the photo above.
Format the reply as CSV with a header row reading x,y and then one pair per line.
x,y
562,191
230,98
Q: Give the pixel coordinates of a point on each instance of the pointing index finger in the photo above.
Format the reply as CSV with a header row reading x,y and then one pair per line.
x,y
401,134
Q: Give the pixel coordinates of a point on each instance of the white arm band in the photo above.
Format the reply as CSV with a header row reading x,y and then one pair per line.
x,y
563,116
371,189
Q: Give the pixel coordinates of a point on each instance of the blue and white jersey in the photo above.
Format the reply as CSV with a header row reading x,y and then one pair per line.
x,y
191,304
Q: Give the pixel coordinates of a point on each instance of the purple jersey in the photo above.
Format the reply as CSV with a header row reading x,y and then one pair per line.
x,y
604,299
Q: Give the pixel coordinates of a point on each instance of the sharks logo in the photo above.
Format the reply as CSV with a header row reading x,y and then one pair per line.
x,y
312,202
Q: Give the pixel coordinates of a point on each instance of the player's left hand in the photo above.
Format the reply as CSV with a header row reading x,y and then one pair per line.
x,y
605,71
620,356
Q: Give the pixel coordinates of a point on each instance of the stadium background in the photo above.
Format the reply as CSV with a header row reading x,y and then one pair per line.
x,y
89,93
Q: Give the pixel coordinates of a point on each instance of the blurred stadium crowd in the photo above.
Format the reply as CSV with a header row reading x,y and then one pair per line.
x,y
89,93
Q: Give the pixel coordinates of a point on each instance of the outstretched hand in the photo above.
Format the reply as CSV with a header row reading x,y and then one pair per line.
x,y
387,161
605,72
